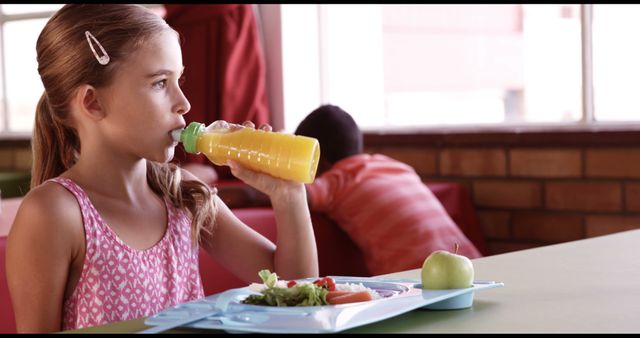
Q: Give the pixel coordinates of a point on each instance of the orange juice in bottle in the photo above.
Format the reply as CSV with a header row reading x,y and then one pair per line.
x,y
286,156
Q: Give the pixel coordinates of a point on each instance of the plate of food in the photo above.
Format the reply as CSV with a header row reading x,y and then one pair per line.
x,y
316,305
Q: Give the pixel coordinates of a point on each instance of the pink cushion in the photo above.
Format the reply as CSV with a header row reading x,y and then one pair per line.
x,y
7,319
337,254
215,277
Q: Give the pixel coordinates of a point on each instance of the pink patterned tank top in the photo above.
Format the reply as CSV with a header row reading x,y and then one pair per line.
x,y
121,283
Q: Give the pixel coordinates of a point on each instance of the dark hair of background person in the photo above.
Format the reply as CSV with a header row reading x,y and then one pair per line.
x,y
337,132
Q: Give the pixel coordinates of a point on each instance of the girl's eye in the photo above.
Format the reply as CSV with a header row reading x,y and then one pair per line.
x,y
160,84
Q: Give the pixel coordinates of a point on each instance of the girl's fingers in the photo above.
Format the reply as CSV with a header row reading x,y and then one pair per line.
x,y
263,182
266,127
248,176
248,124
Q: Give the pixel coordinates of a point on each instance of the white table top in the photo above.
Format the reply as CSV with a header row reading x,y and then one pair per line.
x,y
590,285
585,286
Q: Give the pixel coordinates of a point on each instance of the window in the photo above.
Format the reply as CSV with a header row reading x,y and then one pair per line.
x,y
421,66
616,67
409,66
20,85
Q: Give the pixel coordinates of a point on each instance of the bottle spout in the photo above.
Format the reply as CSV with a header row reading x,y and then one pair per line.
x,y
189,137
176,135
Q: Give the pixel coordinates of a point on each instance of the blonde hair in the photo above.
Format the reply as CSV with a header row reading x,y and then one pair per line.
x,y
65,62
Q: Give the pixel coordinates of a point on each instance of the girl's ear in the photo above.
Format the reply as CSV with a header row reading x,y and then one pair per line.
x,y
87,103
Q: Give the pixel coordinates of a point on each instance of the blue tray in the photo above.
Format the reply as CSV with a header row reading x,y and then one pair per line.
x,y
223,311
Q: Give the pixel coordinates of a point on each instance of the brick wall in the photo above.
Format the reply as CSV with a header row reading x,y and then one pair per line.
x,y
15,155
529,188
532,188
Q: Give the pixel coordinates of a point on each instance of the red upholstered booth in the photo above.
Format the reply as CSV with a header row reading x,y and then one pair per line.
x,y
7,320
337,254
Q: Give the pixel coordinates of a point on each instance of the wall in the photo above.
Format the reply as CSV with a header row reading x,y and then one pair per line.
x,y
15,155
532,188
529,188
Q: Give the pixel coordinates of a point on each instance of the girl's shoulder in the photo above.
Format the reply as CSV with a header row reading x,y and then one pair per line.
x,y
50,198
49,209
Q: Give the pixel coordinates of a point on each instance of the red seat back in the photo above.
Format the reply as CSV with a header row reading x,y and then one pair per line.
x,y
7,319
337,254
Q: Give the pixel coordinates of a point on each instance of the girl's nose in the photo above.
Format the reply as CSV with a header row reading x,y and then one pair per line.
x,y
183,106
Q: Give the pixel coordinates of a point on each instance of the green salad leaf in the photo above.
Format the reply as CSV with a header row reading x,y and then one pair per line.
x,y
268,278
301,294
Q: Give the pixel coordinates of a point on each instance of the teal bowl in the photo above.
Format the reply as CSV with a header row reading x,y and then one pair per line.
x,y
462,301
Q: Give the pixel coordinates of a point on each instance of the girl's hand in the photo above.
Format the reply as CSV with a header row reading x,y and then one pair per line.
x,y
295,255
249,124
273,187
222,124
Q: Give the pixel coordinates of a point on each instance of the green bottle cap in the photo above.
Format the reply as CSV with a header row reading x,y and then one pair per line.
x,y
189,137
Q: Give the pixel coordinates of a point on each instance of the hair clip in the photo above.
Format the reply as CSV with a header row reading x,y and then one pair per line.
x,y
104,59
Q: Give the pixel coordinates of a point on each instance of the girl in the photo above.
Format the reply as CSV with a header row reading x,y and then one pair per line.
x,y
110,229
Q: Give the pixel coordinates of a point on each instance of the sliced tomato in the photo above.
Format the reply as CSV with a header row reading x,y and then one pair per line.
x,y
331,284
326,282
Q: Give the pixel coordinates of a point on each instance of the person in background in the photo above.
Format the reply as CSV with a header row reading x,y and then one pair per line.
x,y
379,202
111,230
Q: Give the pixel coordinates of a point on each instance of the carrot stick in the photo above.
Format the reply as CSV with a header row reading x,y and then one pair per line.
x,y
348,297
333,294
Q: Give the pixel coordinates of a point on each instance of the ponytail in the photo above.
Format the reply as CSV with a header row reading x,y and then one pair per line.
x,y
55,146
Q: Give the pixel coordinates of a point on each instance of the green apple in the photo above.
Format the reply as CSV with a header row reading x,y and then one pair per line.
x,y
446,270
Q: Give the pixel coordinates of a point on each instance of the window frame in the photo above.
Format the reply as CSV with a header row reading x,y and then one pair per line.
x,y
272,28
269,18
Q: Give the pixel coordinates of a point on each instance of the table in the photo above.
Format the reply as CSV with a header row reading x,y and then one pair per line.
x,y
453,197
586,286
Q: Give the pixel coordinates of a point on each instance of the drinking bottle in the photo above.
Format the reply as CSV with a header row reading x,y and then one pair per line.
x,y
286,156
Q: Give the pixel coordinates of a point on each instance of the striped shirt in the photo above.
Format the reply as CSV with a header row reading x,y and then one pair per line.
x,y
387,211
